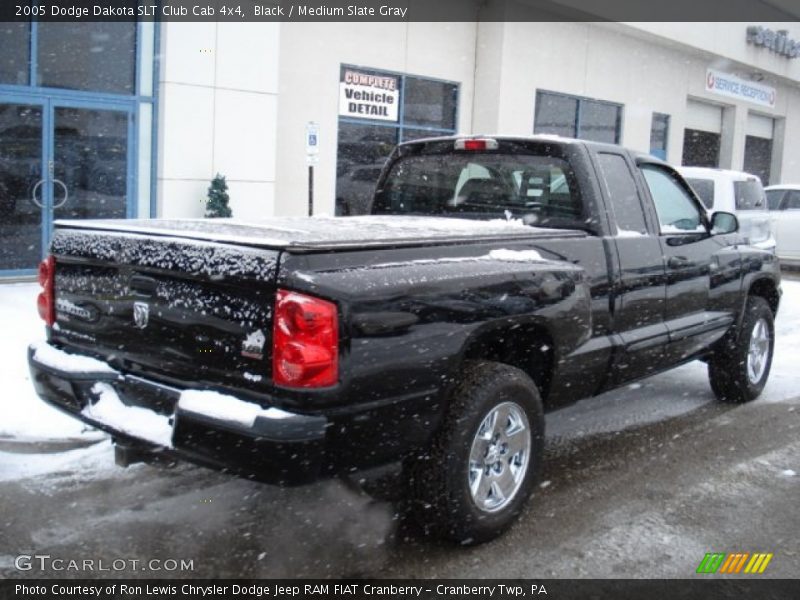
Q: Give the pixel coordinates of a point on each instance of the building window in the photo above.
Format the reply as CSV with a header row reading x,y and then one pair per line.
x,y
15,57
574,116
378,110
758,157
659,131
759,132
429,103
100,57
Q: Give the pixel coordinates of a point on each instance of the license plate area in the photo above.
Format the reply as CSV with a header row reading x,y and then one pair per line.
x,y
134,391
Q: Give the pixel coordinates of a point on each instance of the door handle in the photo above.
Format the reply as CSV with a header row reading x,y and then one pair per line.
x,y
39,184
33,193
66,194
678,262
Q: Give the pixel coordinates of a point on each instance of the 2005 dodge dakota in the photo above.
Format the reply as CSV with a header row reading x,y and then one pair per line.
x,y
494,279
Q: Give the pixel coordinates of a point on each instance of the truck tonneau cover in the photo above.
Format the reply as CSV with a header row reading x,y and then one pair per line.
x,y
326,233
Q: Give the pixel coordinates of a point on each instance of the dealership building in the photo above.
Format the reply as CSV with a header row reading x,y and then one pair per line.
x,y
126,120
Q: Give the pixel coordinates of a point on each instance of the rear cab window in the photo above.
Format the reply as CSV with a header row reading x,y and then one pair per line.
x,y
537,186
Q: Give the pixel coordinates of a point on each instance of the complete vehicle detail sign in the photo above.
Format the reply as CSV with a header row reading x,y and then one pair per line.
x,y
368,95
725,84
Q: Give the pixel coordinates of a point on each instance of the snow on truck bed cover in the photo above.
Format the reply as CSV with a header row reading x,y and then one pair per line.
x,y
323,232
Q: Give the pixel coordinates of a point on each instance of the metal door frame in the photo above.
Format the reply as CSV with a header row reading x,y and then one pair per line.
x,y
49,103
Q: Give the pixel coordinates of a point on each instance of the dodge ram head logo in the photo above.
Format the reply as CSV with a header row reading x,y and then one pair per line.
x,y
253,345
141,314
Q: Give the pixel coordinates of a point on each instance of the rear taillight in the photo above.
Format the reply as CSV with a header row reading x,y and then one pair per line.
x,y
305,341
46,302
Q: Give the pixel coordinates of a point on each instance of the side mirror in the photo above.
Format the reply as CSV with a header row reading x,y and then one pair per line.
x,y
724,222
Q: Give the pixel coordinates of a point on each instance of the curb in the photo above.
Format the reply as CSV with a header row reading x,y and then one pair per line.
x,y
23,446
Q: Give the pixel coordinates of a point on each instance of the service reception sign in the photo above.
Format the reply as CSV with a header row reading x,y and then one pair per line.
x,y
368,95
731,86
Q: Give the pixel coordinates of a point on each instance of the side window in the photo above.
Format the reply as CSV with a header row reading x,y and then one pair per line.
x,y
677,213
749,195
793,200
620,188
774,198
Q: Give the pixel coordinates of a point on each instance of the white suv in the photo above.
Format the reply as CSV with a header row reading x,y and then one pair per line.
x,y
784,206
736,192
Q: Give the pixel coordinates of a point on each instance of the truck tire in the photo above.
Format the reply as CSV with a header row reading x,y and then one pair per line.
x,y
474,481
739,367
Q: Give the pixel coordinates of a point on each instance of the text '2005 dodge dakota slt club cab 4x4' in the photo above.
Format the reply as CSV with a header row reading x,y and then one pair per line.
x,y
495,279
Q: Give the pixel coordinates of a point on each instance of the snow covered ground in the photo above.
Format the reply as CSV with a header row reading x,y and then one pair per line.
x,y
25,418
656,473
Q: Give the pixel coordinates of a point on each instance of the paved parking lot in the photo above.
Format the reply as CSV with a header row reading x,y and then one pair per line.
x,y
641,482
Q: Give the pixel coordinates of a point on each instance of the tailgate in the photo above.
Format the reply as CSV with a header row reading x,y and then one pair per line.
x,y
189,311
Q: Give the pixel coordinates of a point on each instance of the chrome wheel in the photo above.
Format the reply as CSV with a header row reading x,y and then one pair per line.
x,y
498,459
758,351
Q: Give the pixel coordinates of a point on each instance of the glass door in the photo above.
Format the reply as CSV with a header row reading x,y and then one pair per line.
x,y
90,163
23,193
59,160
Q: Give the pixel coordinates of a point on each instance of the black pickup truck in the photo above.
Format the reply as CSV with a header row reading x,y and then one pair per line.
x,y
495,279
